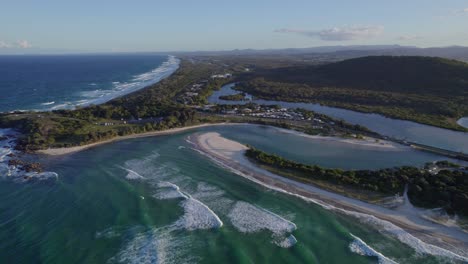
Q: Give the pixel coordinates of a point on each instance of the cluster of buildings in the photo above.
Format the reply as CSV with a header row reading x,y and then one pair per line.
x,y
221,76
281,113
273,112
191,92
269,112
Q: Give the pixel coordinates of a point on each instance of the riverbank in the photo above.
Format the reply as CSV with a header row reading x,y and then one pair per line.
x,y
368,142
363,142
407,225
385,126
69,150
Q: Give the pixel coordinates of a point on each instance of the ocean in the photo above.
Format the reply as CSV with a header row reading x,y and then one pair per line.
x,y
49,82
157,200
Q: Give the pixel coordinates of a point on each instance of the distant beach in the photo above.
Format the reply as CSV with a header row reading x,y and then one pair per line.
x,y
365,142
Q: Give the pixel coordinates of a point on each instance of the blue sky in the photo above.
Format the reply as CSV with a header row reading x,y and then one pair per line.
x,y
104,26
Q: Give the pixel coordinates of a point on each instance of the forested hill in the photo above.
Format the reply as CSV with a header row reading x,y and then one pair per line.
x,y
427,90
402,74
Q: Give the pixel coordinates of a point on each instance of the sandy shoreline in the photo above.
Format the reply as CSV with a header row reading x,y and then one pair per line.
x,y
436,238
63,151
365,142
69,150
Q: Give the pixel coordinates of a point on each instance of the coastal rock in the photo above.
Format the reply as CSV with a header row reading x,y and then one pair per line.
x,y
33,167
26,166
15,162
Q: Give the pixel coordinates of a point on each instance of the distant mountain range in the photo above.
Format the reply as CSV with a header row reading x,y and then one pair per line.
x,y
348,52
326,53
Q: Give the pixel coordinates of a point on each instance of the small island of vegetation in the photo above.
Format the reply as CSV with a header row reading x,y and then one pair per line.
x,y
233,97
447,188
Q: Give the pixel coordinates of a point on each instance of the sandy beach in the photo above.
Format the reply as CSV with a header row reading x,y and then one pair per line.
x,y
364,142
405,223
63,151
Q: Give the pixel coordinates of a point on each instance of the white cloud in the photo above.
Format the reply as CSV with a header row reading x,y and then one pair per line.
x,y
409,37
4,45
338,33
24,44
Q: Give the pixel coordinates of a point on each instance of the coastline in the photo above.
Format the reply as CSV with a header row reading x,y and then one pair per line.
x,y
365,142
69,150
86,97
388,146
423,235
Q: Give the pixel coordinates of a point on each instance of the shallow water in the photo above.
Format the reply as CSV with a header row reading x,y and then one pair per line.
x,y
155,200
411,131
463,122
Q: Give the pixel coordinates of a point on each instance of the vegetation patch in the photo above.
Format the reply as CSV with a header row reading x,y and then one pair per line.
x,y
448,188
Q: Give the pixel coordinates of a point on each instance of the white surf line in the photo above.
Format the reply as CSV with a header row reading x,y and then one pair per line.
x,y
188,198
16,172
165,184
220,223
403,236
360,247
250,218
131,172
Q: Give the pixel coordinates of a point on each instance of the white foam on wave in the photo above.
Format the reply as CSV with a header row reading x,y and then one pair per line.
x,y
207,191
109,233
248,218
418,245
138,82
169,191
360,247
143,166
383,226
118,89
16,173
158,245
285,242
197,215
64,105
132,175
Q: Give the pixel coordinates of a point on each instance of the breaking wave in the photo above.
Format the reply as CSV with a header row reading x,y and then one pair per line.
x,y
16,172
200,201
248,218
198,216
118,89
169,191
157,245
132,175
360,247
383,226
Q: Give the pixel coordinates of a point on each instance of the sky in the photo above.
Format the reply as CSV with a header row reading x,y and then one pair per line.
x,y
176,25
